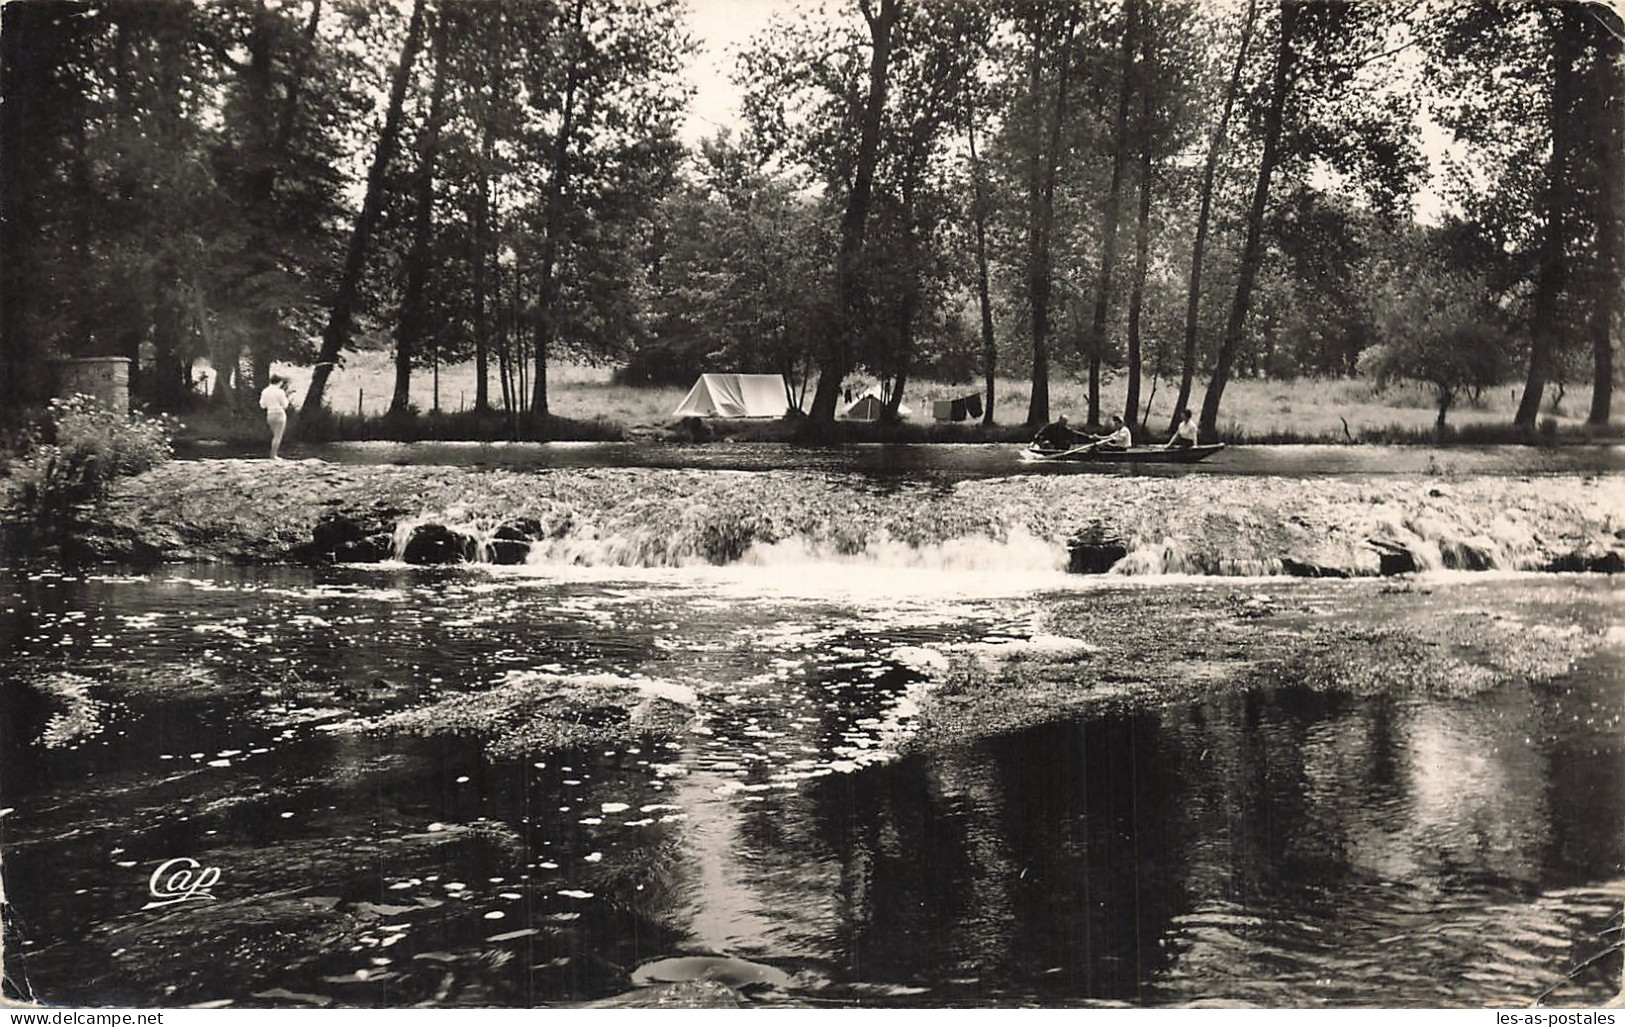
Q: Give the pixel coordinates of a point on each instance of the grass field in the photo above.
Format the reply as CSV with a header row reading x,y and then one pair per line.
x,y
1305,410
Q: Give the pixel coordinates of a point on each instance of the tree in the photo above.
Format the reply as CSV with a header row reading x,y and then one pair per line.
x,y
492,36
412,318
915,194
1210,167
865,109
336,336
1043,123
853,306
1322,115
180,205
46,111
1164,79
980,210
276,158
1096,339
743,280
1562,22
1437,327
1533,91
1605,131
599,138
1252,254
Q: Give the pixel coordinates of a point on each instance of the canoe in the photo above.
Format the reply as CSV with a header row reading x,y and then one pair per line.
x,y
1087,454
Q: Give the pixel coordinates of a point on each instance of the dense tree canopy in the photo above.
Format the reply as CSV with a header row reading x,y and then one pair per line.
x,y
1162,189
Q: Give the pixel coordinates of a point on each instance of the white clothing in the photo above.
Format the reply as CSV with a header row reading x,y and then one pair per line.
x,y
1119,439
1186,430
274,399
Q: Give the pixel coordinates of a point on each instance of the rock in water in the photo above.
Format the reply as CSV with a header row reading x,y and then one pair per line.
x,y
734,972
348,538
1394,558
1093,549
510,544
435,544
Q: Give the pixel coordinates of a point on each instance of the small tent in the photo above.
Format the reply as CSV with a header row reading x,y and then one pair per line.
x,y
870,406
735,395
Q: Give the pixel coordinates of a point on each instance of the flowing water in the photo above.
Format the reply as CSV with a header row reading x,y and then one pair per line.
x,y
408,786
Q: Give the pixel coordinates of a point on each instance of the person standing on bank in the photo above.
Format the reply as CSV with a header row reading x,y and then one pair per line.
x,y
274,400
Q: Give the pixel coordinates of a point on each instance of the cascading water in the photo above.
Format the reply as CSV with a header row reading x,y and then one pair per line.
x,y
1132,527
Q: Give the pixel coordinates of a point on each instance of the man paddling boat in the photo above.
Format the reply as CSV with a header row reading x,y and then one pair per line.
x,y
1119,437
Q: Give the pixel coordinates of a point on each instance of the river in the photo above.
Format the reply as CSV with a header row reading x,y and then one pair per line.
x,y
955,460
899,781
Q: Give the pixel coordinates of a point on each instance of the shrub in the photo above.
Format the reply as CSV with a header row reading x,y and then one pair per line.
x,y
89,445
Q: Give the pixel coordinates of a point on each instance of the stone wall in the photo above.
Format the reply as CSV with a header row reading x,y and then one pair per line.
x,y
106,379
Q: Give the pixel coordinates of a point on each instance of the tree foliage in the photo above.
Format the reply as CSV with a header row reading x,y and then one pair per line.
x,y
1146,188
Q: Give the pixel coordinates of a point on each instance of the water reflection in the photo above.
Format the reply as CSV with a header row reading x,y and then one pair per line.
x,y
1278,846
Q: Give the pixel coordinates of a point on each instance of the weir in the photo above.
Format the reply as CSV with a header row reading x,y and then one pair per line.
x,y
1133,527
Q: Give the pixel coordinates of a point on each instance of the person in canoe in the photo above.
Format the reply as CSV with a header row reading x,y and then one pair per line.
x,y
1185,435
1118,437
1057,437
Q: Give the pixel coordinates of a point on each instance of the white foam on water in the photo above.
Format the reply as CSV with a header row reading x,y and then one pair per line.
x,y
812,582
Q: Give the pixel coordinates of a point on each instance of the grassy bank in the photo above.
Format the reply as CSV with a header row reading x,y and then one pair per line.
x,y
586,404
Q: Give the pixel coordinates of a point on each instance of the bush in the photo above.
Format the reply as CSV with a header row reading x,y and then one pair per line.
x,y
88,447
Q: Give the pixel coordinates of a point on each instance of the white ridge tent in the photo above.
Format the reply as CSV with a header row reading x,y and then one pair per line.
x,y
735,395
870,405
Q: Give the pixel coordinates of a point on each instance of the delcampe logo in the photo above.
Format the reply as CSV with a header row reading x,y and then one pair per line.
x,y
179,880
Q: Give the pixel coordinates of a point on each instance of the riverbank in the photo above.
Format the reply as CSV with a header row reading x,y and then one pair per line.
x,y
246,432
588,404
257,511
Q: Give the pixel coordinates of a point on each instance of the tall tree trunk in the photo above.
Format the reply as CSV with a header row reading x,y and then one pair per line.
x,y
413,309
1042,171
336,336
894,401
260,368
979,211
855,219
503,327
1037,251
1193,296
521,346
1607,100
1547,336
484,243
296,83
25,77
1136,299
1114,205
260,184
130,322
1252,253
547,302
267,148
1142,231
908,304
169,382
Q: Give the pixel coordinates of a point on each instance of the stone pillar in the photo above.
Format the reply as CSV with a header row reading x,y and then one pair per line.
x,y
104,379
